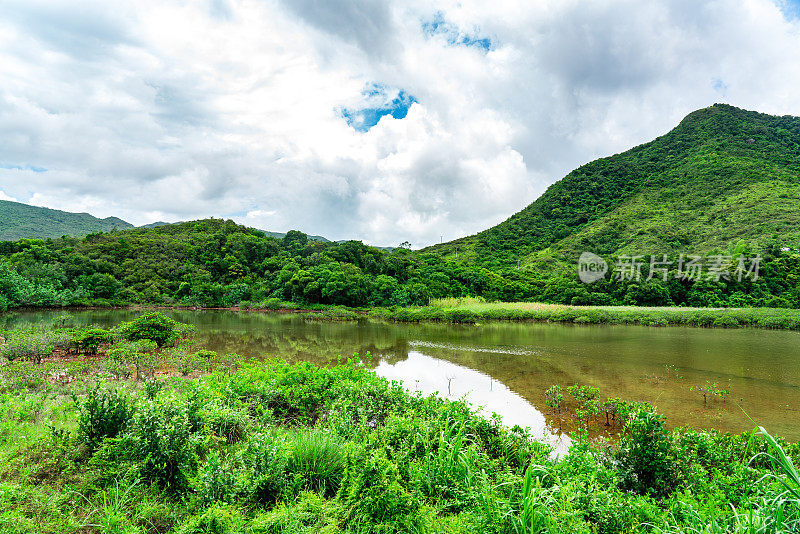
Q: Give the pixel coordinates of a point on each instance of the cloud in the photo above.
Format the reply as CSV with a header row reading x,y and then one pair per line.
x,y
380,120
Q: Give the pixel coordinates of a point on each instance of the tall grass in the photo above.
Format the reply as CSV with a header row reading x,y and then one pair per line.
x,y
471,310
316,459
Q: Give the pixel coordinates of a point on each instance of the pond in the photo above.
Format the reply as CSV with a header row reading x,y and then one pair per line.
x,y
506,367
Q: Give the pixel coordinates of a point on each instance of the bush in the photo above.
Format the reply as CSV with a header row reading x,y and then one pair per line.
x,y
273,304
725,321
89,340
33,346
102,414
374,497
225,422
264,480
311,514
646,456
460,316
154,326
160,442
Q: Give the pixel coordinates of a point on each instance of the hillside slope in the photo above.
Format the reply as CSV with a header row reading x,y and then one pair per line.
x,y
723,178
21,221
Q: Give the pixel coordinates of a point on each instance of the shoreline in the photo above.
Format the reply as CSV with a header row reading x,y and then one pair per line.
x,y
472,311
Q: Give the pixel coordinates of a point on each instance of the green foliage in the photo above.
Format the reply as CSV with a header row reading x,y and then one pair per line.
x,y
554,397
374,497
646,456
316,460
102,414
152,326
216,520
280,448
161,443
33,345
88,340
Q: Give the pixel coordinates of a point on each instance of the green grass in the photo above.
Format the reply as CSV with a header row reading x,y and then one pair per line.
x,y
470,310
341,450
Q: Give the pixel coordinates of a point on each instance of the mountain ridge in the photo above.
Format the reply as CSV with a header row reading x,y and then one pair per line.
x,y
682,188
23,221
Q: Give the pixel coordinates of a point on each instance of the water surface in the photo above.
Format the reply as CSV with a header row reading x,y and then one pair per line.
x,y
506,367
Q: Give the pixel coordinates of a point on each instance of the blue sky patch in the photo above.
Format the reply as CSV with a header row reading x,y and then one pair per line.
x,y
454,35
379,101
22,168
790,8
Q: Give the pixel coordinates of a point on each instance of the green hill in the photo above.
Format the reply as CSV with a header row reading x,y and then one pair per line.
x,y
725,179
21,221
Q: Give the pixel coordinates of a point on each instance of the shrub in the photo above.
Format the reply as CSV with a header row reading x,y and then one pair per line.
x,y
374,498
311,514
225,422
136,355
460,316
89,340
161,443
273,304
102,414
33,345
725,321
152,386
154,326
646,456
264,480
204,359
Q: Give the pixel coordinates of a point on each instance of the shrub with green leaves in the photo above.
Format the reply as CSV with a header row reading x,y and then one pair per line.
x,y
374,497
88,340
161,444
33,345
153,326
102,414
646,456
218,519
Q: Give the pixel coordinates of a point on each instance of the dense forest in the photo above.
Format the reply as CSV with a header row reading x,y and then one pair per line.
x,y
214,263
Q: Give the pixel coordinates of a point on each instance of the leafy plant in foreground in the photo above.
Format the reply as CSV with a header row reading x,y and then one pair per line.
x,y
102,414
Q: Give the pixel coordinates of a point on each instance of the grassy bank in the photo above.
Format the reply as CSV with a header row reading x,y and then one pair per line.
x,y
299,449
470,310
139,433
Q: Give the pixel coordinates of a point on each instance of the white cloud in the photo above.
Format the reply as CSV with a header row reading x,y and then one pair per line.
x,y
174,109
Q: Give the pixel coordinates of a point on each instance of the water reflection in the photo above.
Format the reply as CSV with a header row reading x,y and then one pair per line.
x,y
657,365
421,373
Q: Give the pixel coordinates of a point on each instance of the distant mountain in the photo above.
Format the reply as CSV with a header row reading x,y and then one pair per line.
x,y
20,221
724,179
280,235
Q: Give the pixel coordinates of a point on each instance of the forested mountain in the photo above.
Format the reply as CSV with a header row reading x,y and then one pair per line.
x,y
723,180
724,183
20,221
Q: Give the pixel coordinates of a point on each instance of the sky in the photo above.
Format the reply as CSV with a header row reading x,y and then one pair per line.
x,y
385,121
